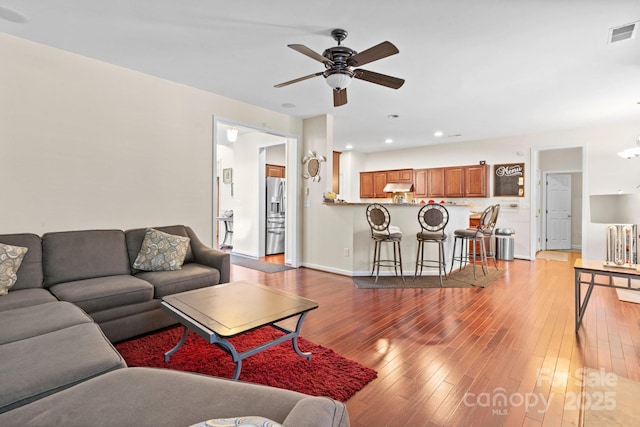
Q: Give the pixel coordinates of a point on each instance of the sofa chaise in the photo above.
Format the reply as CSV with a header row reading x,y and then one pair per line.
x,y
77,292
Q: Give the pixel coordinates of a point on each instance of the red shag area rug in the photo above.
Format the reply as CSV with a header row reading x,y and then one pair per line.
x,y
326,374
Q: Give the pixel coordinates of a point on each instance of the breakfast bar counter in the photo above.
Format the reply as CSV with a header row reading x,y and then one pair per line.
x,y
353,246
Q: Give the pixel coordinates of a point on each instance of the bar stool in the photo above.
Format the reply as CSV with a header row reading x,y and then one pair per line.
x,y
490,231
472,236
433,218
383,232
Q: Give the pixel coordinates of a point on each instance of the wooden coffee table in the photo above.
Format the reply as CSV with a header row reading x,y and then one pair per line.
x,y
223,311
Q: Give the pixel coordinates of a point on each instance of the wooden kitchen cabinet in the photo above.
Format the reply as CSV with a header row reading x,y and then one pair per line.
x,y
366,185
454,181
372,183
379,182
466,181
435,182
475,181
400,175
420,182
275,171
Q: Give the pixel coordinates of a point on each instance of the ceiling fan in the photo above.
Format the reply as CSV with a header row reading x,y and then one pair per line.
x,y
339,62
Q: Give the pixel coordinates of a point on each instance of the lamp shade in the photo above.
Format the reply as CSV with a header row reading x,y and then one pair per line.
x,y
615,208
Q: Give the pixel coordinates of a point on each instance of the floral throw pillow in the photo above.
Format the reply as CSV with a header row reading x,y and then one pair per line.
x,y
239,422
161,251
10,259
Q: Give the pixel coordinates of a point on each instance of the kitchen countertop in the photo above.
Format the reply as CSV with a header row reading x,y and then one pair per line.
x,y
389,204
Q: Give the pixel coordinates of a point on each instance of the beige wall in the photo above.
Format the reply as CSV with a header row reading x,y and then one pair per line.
x,y
87,144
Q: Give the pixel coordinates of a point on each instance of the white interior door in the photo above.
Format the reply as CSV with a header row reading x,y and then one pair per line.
x,y
558,211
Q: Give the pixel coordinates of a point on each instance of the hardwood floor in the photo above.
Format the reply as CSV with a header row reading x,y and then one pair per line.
x,y
446,357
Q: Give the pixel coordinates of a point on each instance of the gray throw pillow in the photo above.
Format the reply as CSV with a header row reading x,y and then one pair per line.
x,y
10,259
161,251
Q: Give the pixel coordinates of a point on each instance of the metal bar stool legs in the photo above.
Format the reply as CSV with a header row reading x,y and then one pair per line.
x,y
483,257
396,263
461,257
470,257
441,262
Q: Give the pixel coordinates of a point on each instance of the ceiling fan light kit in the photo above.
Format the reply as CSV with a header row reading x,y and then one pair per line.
x,y
338,80
339,62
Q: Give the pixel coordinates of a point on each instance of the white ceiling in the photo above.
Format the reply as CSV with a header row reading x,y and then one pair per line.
x,y
475,69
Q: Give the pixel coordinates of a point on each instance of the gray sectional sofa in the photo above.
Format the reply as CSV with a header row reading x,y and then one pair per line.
x,y
76,293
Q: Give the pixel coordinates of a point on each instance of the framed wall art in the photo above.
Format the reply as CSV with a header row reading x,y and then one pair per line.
x,y
508,180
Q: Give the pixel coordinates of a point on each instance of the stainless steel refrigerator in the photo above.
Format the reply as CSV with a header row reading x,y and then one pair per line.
x,y
275,215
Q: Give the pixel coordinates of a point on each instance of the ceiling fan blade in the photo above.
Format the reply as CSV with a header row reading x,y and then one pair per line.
x,y
310,53
374,53
339,97
377,78
299,79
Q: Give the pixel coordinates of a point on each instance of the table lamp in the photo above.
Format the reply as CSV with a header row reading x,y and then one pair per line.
x,y
621,213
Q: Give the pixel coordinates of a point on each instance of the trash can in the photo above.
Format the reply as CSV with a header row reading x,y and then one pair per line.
x,y
504,243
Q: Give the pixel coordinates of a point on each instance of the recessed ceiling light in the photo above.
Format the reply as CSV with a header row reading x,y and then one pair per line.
x,y
289,105
348,146
438,133
392,116
388,141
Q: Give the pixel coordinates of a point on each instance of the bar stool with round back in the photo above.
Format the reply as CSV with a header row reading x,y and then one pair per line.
x,y
433,219
383,232
472,236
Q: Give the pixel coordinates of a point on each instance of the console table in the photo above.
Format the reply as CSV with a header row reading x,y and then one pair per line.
x,y
228,231
592,269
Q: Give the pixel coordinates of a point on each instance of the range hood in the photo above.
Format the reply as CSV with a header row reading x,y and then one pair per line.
x,y
398,187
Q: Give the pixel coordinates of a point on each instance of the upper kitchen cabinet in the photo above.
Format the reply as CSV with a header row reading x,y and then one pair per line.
x,y
420,182
435,182
379,182
454,181
466,181
429,182
372,183
366,185
400,175
475,181
275,171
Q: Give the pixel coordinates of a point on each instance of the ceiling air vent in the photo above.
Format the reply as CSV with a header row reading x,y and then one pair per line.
x,y
625,32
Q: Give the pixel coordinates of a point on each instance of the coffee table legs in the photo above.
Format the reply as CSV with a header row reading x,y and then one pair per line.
x,y
183,338
239,356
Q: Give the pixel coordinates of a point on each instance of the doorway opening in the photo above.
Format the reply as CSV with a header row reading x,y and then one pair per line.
x,y
556,219
239,190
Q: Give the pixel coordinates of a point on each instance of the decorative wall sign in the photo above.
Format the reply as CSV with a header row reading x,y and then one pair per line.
x,y
508,180
312,166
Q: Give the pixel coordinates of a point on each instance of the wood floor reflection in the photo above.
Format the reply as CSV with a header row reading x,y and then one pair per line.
x,y
452,357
